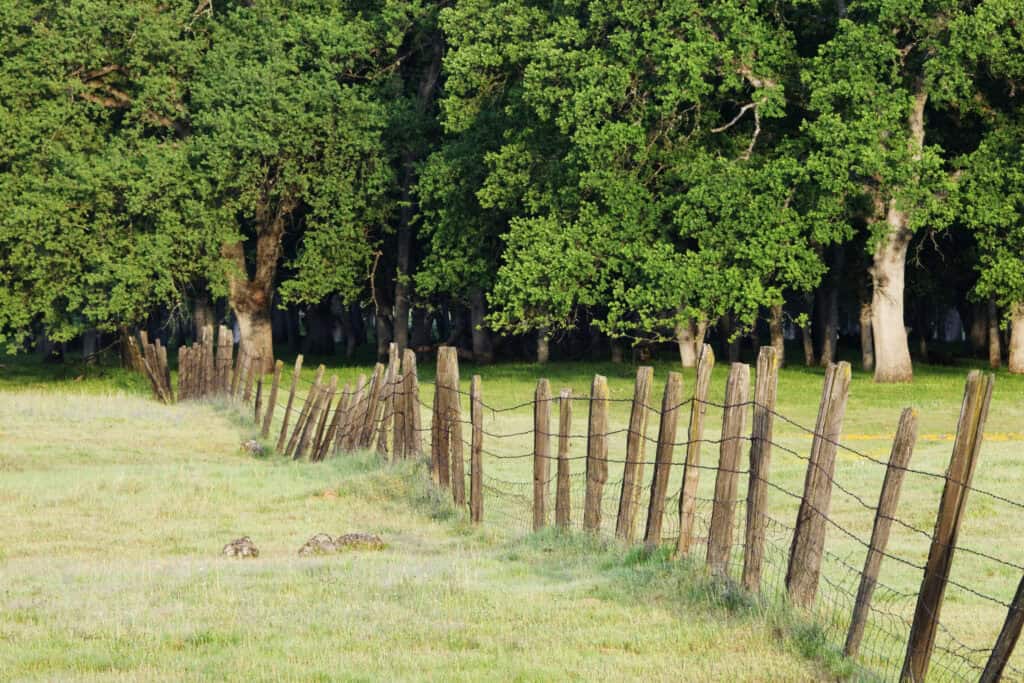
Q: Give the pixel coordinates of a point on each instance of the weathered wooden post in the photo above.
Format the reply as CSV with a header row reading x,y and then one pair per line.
x,y
760,463
413,442
388,399
562,489
282,439
444,389
183,392
902,448
691,468
258,406
633,470
252,362
476,463
974,411
670,404
723,510
373,404
318,421
1007,639
307,407
341,414
275,386
401,405
236,375
454,422
804,568
209,371
597,454
225,353
541,452
354,421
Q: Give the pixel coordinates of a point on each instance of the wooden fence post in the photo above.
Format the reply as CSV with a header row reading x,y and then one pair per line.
x,y
413,442
476,463
388,399
275,386
695,436
597,454
670,405
974,411
318,422
562,488
760,462
252,363
541,452
281,440
341,413
401,405
454,421
259,400
899,457
804,568
376,389
353,421
183,392
225,354
209,371
1007,639
633,469
307,407
723,510
236,375
439,432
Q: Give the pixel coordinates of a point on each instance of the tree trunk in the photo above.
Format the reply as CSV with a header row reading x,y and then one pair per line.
x,y
978,331
830,327
617,354
319,338
1017,339
806,332
383,326
421,335
482,351
730,340
90,345
686,340
250,297
888,268
202,314
257,336
776,334
867,348
543,347
995,352
922,329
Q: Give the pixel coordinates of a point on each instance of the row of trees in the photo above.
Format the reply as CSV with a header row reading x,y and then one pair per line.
x,y
635,169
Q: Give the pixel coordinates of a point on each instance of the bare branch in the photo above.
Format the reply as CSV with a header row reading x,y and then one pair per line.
x,y
743,110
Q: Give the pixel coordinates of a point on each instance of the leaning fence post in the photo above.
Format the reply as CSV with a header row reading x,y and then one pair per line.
x,y
969,429
723,510
454,420
670,405
251,366
902,448
1007,639
353,420
236,375
476,472
318,421
307,407
398,448
209,385
259,400
341,414
183,391
804,568
275,385
225,353
282,439
691,468
388,400
541,452
373,401
633,470
760,461
597,453
562,488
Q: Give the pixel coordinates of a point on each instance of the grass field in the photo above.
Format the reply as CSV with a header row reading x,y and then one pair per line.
x,y
114,508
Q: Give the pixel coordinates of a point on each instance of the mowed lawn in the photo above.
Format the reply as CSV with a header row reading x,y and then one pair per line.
x,y
114,510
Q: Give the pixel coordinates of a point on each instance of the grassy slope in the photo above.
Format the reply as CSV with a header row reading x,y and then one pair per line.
x,y
113,510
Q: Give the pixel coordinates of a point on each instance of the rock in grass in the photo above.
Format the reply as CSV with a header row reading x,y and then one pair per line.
x,y
359,541
241,547
252,447
323,544
319,544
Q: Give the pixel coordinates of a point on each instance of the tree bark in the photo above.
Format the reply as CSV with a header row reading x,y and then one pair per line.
x,y
978,329
202,314
867,347
995,351
1017,339
686,340
617,353
888,269
482,350
543,346
90,345
806,332
776,335
421,335
383,327
250,297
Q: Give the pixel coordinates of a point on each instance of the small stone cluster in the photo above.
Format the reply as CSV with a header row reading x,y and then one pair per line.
x,y
241,547
323,544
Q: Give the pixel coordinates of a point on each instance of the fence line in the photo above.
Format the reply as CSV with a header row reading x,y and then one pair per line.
x,y
895,633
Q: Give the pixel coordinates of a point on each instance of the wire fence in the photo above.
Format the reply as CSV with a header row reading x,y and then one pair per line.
x,y
494,460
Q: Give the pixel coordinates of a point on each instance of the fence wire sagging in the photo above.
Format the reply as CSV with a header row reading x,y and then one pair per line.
x,y
732,483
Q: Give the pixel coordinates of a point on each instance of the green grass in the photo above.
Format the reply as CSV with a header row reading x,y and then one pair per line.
x,y
114,510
